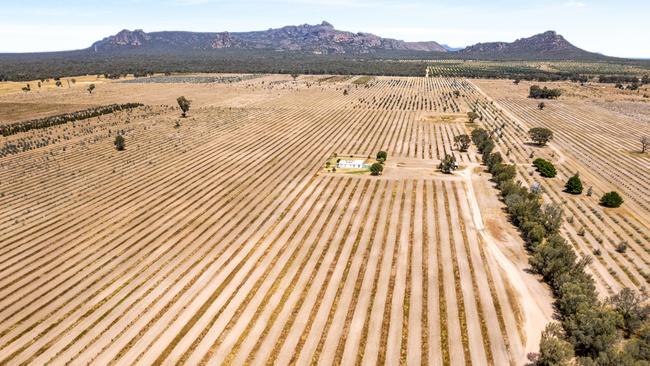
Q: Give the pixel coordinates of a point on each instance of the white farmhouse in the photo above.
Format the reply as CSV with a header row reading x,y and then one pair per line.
x,y
352,164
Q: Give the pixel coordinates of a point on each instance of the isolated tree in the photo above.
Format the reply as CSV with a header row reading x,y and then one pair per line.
x,y
39,84
541,105
630,306
545,168
462,142
376,169
573,185
294,76
382,156
59,83
119,143
544,93
345,92
472,116
91,87
645,142
611,199
540,135
448,164
184,103
554,350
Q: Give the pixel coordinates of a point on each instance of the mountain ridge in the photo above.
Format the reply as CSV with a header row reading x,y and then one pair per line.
x,y
547,45
324,39
321,38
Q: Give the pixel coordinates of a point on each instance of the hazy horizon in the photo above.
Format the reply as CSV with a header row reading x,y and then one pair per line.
x,y
596,26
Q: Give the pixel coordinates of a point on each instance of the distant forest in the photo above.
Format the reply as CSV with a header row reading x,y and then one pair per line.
x,y
24,67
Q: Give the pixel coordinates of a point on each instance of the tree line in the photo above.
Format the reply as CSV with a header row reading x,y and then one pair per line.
x,y
589,331
24,67
616,79
24,126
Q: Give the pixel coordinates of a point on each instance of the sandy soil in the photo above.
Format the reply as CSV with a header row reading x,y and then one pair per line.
x,y
218,241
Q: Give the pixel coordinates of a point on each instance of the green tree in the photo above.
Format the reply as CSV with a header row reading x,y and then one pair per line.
x,y
493,162
382,156
540,135
592,330
119,143
543,93
541,105
573,293
639,346
294,76
184,104
611,199
504,172
91,87
552,259
472,116
448,164
462,142
573,185
630,305
554,350
479,135
545,168
376,169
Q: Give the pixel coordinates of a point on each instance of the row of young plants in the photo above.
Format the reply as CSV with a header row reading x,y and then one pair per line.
x,y
14,128
589,331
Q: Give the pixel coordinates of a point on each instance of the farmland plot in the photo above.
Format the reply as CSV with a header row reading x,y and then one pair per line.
x,y
602,146
216,240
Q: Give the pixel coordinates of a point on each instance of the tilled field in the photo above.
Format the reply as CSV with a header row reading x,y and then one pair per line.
x,y
218,242
602,147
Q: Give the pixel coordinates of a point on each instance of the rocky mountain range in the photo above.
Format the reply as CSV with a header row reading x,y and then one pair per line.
x,y
319,39
326,40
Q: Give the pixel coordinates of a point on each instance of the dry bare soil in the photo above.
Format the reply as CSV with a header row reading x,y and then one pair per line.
x,y
218,241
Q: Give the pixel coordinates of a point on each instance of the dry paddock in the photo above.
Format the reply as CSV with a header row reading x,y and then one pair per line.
x,y
216,241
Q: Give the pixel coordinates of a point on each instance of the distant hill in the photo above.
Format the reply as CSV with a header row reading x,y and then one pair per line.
x,y
326,40
318,39
544,46
451,49
307,49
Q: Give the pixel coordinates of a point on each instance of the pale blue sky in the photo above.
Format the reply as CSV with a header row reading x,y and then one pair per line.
x,y
616,28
